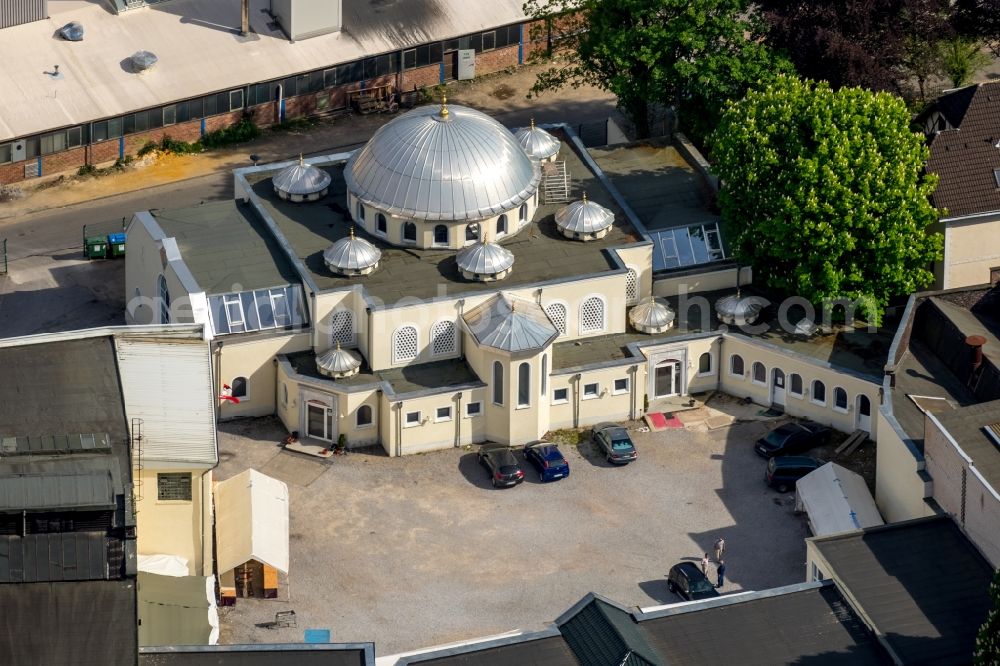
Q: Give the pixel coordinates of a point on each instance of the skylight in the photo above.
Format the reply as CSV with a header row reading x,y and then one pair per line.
x,y
259,310
687,246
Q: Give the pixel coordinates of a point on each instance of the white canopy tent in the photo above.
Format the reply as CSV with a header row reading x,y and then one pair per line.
x,y
836,500
251,521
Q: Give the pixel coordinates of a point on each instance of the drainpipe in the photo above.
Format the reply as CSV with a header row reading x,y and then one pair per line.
x,y
576,399
634,371
218,379
458,420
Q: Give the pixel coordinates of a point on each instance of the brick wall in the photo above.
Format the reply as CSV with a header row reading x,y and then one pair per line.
x,y
496,60
188,131
421,77
67,160
222,121
105,151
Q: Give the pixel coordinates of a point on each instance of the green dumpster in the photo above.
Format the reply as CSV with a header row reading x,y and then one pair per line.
x,y
95,247
116,245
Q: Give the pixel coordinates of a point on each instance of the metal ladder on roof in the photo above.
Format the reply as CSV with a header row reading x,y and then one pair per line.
x,y
555,182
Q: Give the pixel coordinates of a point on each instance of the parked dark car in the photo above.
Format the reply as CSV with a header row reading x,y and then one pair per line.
x,y
548,460
614,441
792,438
503,467
783,472
687,580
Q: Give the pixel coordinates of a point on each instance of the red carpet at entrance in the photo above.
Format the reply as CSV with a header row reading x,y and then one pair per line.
x,y
660,421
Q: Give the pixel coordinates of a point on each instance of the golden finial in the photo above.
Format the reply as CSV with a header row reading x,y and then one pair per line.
x,y
338,345
352,232
585,196
532,123
444,104
301,160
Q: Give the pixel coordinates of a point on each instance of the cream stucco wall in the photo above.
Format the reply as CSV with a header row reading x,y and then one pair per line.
x,y
579,411
145,261
972,248
176,527
431,433
961,491
253,357
701,282
804,406
899,489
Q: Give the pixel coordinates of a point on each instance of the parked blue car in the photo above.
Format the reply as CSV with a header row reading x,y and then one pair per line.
x,y
548,460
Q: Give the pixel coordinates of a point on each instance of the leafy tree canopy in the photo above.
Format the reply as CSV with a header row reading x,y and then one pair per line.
x,y
980,19
824,192
695,54
988,641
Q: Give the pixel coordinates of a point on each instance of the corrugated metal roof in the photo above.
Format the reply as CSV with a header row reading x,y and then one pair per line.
x,y
510,324
168,384
37,558
80,490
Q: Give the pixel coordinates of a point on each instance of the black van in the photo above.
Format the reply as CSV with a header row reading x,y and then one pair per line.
x,y
783,472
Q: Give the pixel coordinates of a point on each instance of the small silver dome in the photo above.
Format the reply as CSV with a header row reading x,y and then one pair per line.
x,y
510,324
484,261
584,220
652,315
735,310
537,142
301,182
352,256
447,163
338,363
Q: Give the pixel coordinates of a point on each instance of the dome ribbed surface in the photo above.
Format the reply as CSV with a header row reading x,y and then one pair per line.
x,y
461,166
537,142
338,362
302,179
510,324
651,315
733,309
484,259
584,217
351,254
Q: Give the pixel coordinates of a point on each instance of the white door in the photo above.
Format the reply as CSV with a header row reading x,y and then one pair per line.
x,y
778,387
864,413
667,378
319,421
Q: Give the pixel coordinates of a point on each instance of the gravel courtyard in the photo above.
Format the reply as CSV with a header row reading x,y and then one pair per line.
x,y
418,551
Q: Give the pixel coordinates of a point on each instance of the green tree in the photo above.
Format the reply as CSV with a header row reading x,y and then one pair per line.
x,y
692,54
824,192
961,57
988,641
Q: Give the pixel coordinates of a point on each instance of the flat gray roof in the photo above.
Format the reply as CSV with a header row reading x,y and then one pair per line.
x,y
921,373
541,253
551,651
227,247
966,425
425,376
63,556
575,353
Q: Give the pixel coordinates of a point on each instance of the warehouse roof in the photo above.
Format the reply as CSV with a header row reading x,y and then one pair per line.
x,y
277,654
62,556
199,53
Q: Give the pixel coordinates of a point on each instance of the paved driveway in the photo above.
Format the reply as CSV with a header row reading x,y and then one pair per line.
x,y
417,551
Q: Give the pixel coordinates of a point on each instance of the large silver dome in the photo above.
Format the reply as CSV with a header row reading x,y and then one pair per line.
x,y
352,256
584,220
301,182
537,142
338,363
484,261
442,163
652,315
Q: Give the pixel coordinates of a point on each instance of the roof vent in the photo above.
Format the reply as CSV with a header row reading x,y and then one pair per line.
x,y
72,32
142,60
975,343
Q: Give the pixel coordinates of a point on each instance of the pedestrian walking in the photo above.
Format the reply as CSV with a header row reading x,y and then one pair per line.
x,y
722,573
704,564
720,547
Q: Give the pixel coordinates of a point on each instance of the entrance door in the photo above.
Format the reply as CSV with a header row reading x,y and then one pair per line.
x,y
667,380
864,413
450,60
319,421
778,387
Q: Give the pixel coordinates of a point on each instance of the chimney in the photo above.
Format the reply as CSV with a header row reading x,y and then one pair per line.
x,y
245,17
975,343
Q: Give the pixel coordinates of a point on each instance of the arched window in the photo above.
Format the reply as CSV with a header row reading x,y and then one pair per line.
x,y
497,383
592,315
557,313
241,389
758,373
443,338
342,327
818,392
522,214
404,344
381,226
545,373
795,384
164,293
472,232
440,235
409,232
364,416
361,212
705,364
736,365
501,225
631,286
840,399
524,385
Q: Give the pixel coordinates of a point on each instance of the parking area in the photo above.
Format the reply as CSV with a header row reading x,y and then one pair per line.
x,y
421,550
